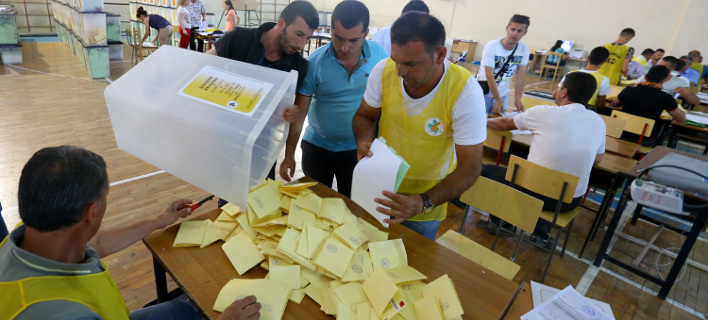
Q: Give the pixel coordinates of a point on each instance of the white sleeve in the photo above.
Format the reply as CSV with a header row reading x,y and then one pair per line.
x,y
372,95
641,79
526,53
601,149
604,87
488,55
469,115
530,119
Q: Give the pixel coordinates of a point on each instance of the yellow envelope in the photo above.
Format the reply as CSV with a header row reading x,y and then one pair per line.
x,y
274,185
372,232
264,202
292,195
310,201
234,233
405,274
285,273
258,186
443,289
231,209
225,217
277,214
299,217
297,295
190,234
311,241
388,254
272,295
351,235
345,312
334,257
296,187
327,302
322,223
217,231
359,267
350,294
365,312
399,306
271,231
315,293
285,203
429,308
246,225
379,289
242,253
288,246
349,217
333,209
412,290
282,221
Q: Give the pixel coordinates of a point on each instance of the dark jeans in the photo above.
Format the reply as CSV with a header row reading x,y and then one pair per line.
x,y
543,227
271,175
200,42
323,165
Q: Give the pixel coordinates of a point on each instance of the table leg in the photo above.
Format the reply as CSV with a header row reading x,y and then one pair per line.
x,y
160,281
612,227
683,255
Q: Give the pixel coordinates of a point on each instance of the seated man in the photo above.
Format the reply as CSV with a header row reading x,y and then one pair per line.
x,y
635,69
675,84
50,267
648,100
568,138
684,69
596,59
644,57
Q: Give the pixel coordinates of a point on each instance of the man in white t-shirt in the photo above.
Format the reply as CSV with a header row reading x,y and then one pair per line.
x,y
676,84
596,59
568,138
383,36
432,113
494,57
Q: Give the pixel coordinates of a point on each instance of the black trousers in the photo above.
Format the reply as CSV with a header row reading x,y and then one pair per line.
x,y
543,227
192,37
323,165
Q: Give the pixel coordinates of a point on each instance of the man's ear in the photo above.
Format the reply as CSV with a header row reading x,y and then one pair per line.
x,y
440,55
91,213
281,24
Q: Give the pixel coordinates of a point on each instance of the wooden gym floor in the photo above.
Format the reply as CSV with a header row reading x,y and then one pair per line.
x,y
49,100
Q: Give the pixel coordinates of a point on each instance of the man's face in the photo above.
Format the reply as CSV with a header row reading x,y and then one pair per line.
x,y
347,42
514,32
657,56
688,64
414,63
666,64
294,36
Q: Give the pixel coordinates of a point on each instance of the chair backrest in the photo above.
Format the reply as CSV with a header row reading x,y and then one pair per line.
x,y
129,35
553,65
507,203
541,180
495,137
479,254
615,126
635,124
136,37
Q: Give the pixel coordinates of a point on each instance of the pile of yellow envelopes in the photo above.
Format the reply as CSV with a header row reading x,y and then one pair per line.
x,y
316,247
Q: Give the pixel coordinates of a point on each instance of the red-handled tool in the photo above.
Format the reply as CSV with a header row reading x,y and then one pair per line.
x,y
200,203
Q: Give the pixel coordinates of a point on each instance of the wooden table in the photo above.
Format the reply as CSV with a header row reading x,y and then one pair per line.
x,y
201,273
691,131
522,304
614,92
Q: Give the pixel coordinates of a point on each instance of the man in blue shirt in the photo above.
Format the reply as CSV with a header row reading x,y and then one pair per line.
x,y
686,71
334,85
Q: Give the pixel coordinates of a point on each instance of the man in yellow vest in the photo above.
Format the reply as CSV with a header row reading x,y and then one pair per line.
x,y
698,66
597,57
432,113
644,57
50,267
620,55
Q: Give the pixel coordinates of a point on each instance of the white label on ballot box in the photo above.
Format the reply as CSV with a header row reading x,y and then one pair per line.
x,y
226,90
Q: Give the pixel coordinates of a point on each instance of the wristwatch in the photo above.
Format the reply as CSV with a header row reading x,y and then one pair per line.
x,y
428,204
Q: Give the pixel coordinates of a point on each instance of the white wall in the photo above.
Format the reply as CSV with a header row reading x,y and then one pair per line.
x,y
675,25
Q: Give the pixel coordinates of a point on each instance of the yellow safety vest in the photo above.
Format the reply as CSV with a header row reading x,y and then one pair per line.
x,y
96,291
612,68
424,140
641,60
698,67
598,78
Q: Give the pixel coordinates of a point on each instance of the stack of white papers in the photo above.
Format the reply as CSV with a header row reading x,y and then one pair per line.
x,y
552,303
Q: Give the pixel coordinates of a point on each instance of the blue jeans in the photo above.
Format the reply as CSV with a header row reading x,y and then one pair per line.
x,y
428,229
489,103
179,308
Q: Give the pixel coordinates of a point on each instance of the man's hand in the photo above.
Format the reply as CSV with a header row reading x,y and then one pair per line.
x,y
176,210
244,309
288,164
498,106
291,114
682,90
363,149
403,206
519,105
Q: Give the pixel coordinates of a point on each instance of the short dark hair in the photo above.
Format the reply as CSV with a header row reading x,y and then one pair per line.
x,y
418,26
680,64
647,51
657,74
350,13
57,184
627,32
415,5
519,18
660,50
598,55
581,86
690,60
671,60
303,9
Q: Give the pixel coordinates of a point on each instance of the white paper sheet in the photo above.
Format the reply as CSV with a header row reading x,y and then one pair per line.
x,y
699,117
374,175
542,293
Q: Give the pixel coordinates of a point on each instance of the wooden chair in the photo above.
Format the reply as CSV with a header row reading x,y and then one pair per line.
x,y
131,43
550,183
507,203
615,126
497,140
555,67
479,254
635,124
142,51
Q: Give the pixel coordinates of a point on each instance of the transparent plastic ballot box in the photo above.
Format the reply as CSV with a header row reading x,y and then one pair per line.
x,y
11,53
112,27
213,122
8,24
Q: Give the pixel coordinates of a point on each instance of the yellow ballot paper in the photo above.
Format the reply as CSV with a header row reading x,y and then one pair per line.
x,y
428,308
350,294
360,266
315,293
379,289
231,209
225,217
399,306
243,223
288,246
286,273
217,231
311,241
297,187
297,295
445,292
365,312
351,235
272,295
374,234
412,290
299,217
242,253
264,202
310,201
285,203
405,274
388,254
345,312
334,257
190,234
333,209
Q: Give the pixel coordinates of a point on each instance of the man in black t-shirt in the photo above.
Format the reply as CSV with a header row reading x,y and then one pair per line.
x,y
648,100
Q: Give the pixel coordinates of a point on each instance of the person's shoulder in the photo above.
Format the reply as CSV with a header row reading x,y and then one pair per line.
x,y
318,54
377,50
299,62
523,46
493,43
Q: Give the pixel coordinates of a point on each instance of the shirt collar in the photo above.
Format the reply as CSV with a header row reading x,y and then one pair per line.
x,y
262,29
365,50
